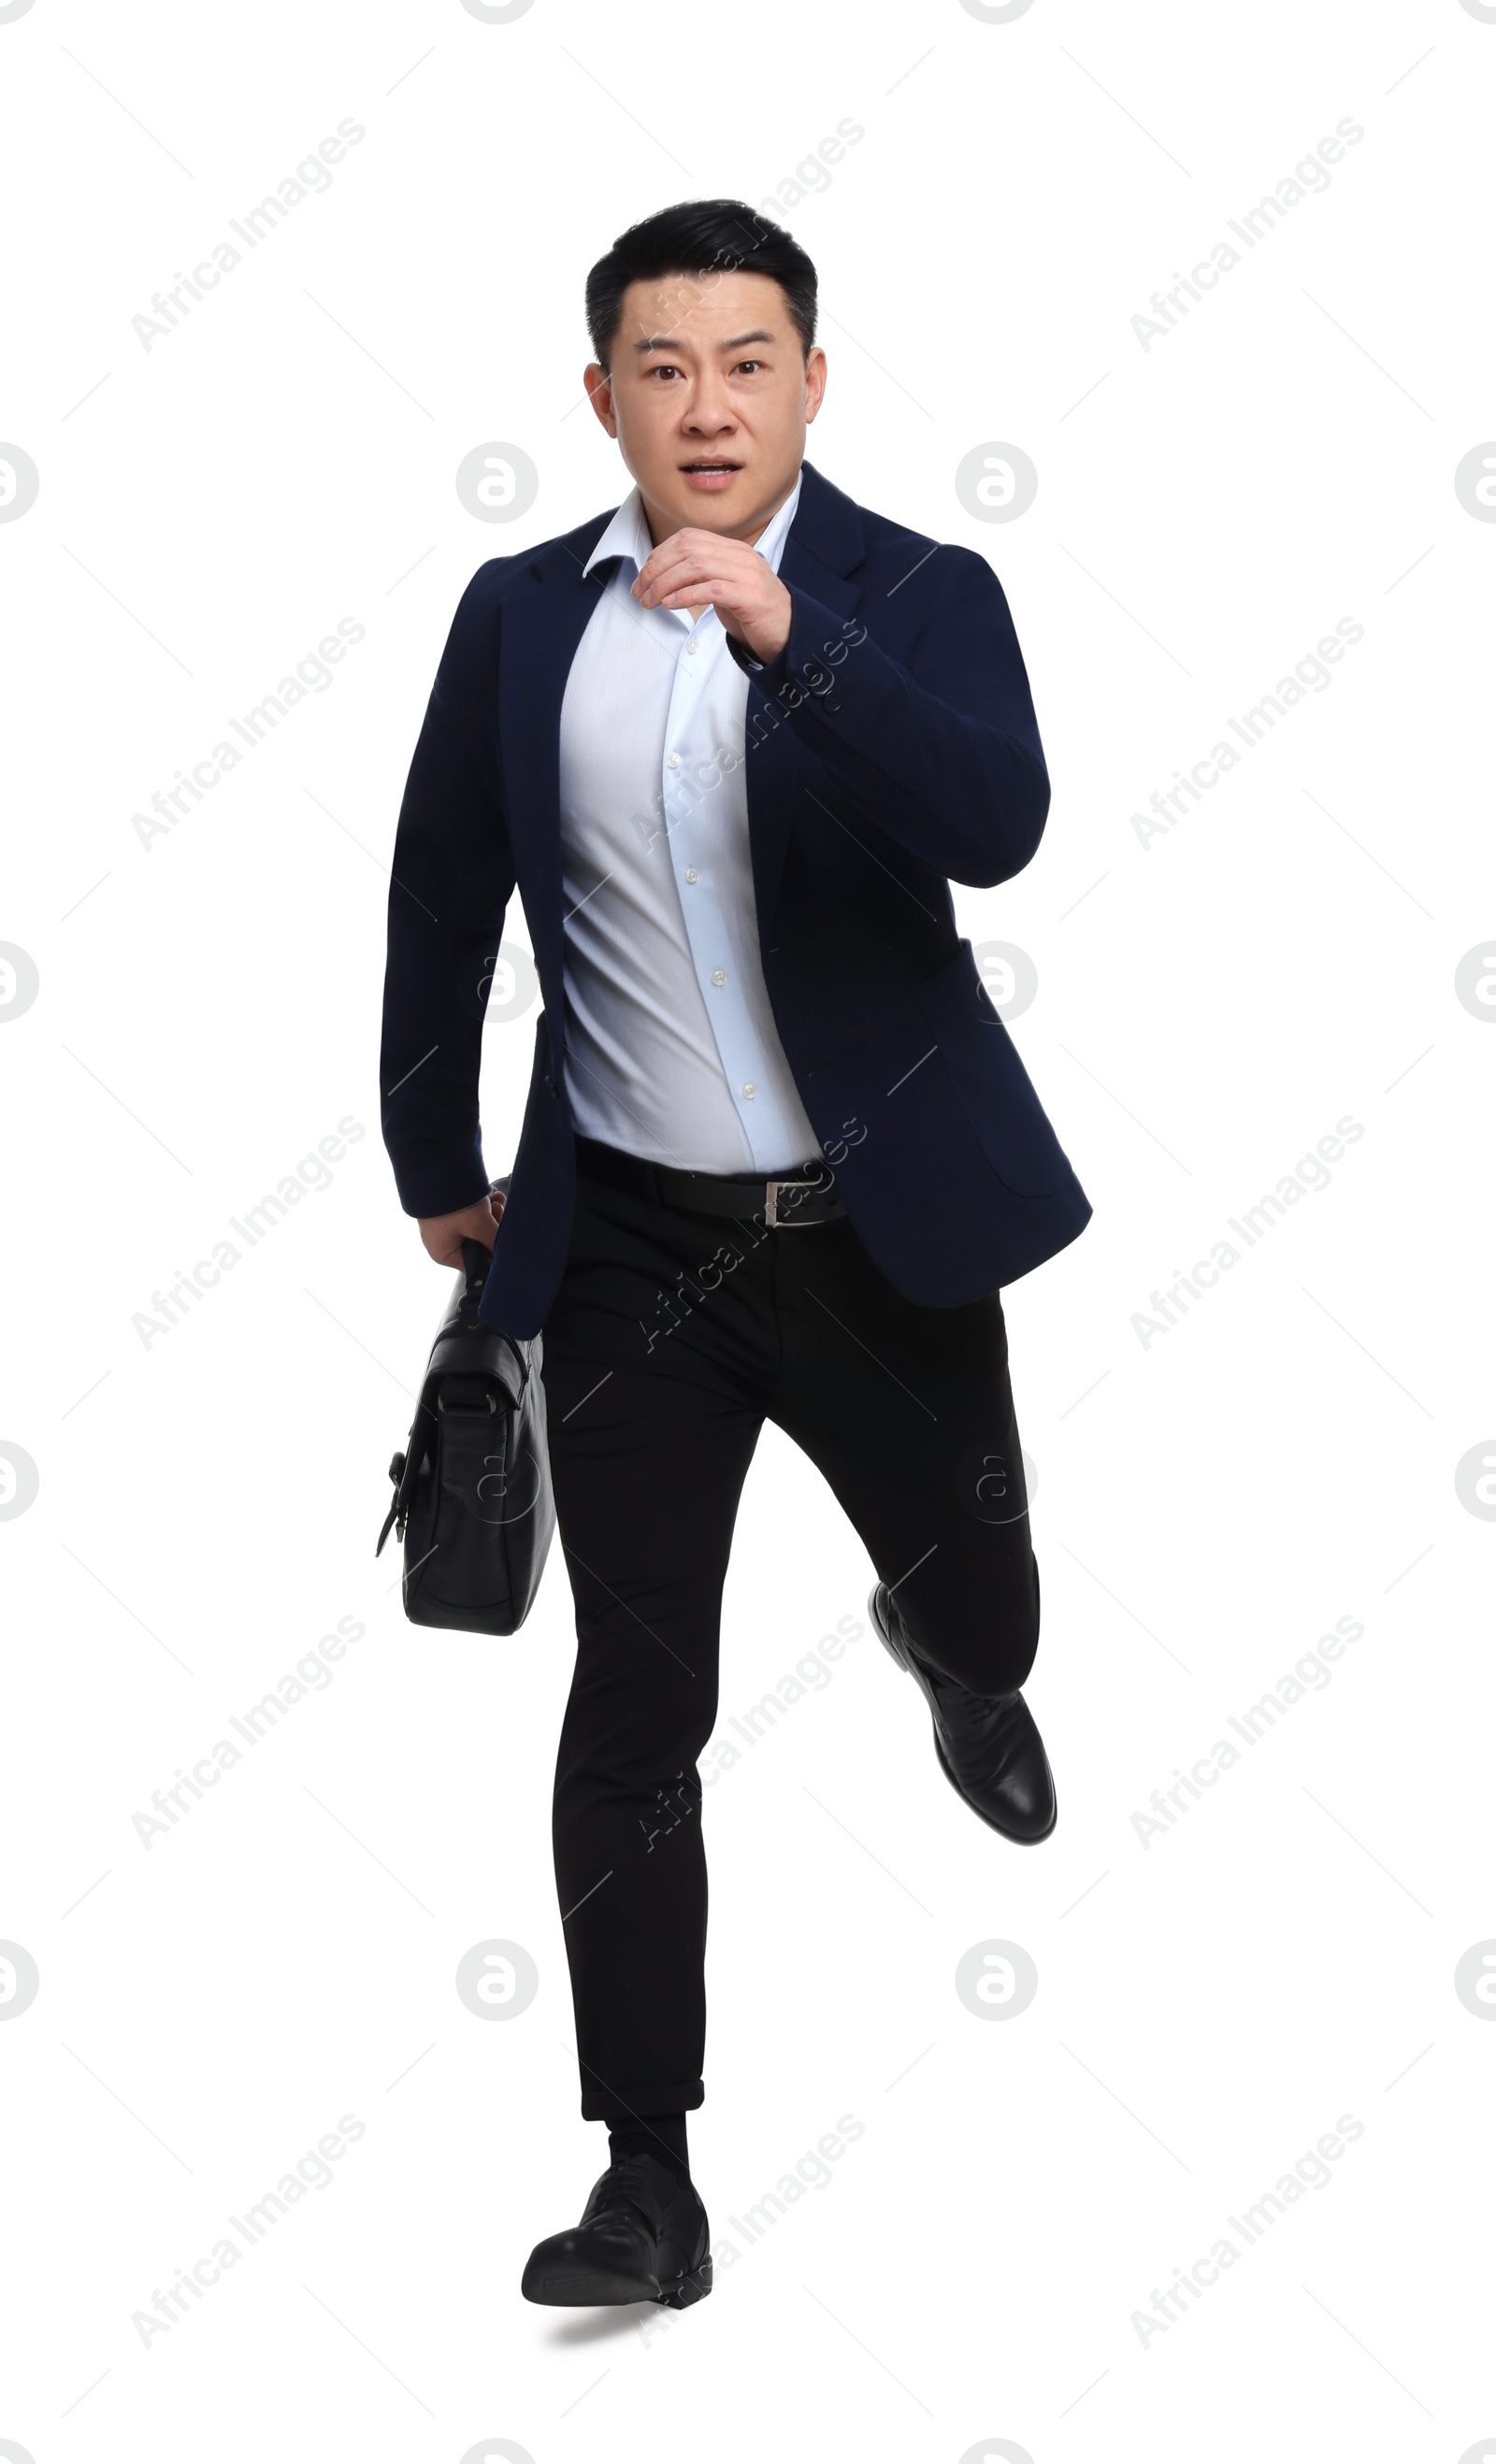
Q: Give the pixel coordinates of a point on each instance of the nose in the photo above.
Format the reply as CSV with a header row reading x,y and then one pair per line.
x,y
709,413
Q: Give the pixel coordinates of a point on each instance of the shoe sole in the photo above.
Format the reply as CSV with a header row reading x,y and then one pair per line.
x,y
901,1660
592,2288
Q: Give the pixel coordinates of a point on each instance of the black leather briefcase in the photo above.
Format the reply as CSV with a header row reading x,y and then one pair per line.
x,y
473,1502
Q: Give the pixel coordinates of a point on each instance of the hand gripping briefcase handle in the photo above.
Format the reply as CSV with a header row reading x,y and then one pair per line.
x,y
472,1504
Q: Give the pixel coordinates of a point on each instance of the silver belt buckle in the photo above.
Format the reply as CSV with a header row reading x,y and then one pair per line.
x,y
771,1213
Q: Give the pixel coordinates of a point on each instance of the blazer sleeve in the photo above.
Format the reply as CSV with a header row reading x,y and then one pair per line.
x,y
450,882
941,749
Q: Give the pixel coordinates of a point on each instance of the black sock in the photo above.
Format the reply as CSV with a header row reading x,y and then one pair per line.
x,y
660,2135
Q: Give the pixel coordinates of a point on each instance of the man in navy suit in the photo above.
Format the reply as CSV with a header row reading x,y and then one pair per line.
x,y
731,743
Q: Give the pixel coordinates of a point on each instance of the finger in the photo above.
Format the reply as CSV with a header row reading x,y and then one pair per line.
x,y
685,541
698,565
692,551
724,596
700,548
667,571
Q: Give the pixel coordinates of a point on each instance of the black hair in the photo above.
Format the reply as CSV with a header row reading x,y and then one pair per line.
x,y
710,235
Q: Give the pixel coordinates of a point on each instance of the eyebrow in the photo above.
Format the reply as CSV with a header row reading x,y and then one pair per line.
x,y
663,341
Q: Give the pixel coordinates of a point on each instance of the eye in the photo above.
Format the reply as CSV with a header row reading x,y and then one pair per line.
x,y
748,363
666,368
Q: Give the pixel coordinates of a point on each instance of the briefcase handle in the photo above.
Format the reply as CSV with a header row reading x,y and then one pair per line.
x,y
476,1258
476,1261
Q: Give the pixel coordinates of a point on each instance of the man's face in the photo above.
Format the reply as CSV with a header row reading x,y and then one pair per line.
x,y
708,396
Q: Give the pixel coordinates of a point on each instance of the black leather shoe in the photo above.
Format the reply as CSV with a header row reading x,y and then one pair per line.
x,y
988,1744
643,2237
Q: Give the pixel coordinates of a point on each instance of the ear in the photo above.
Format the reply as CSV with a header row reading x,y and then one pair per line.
x,y
599,393
815,381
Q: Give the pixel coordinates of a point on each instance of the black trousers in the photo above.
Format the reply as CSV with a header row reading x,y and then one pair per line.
x,y
674,1337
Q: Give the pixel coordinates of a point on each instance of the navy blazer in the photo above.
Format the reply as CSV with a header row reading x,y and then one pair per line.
x,y
890,748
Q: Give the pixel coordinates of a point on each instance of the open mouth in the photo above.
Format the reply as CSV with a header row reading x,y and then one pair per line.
x,y
711,470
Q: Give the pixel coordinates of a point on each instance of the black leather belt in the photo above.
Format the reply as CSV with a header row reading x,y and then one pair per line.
x,y
787,1202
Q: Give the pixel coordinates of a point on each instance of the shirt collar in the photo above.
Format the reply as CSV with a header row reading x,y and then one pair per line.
x,y
627,533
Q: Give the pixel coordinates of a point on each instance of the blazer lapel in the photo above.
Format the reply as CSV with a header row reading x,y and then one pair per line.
x,y
543,621
822,554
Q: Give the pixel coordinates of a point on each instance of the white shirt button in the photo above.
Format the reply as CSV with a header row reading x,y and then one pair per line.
x,y
750,1089
692,647
691,874
672,761
719,975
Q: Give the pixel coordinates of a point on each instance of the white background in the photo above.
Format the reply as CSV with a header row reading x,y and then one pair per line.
x,y
1208,1503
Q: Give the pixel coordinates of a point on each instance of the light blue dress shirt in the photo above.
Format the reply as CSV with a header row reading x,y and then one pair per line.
x,y
671,1046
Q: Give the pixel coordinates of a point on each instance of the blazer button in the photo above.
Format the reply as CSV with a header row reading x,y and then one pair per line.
x,y
831,703
549,1086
